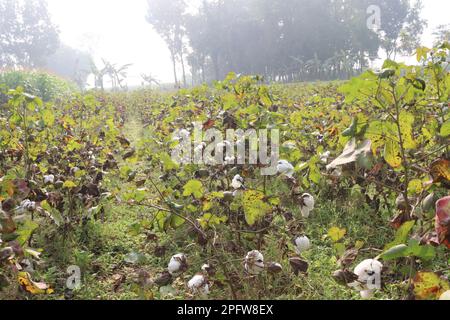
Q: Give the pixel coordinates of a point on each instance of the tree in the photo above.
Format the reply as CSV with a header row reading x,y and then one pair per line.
x,y
27,33
441,34
166,17
70,63
401,27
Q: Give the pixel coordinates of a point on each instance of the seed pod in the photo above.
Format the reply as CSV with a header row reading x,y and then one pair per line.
x,y
274,267
428,203
344,277
164,279
298,265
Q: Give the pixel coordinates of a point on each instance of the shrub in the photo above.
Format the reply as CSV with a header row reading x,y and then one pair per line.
x,y
41,84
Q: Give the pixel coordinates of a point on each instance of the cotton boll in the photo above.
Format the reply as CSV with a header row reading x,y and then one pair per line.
x,y
27,205
324,157
366,294
199,285
254,262
178,264
238,182
368,271
307,205
285,168
302,244
49,179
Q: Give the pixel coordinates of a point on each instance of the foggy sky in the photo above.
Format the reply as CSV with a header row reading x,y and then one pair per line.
x,y
117,31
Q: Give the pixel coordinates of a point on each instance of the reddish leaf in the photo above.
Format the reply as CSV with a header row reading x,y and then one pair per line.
x,y
443,221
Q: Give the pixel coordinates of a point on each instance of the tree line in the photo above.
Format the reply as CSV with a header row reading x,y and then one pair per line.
x,y
284,40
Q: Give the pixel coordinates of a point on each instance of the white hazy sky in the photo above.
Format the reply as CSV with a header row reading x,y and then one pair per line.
x,y
117,31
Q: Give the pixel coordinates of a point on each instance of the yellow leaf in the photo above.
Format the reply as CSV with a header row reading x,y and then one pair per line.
x,y
336,233
69,184
27,284
392,154
429,286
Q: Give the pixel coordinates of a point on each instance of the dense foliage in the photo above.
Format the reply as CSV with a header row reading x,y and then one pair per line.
x,y
46,86
89,181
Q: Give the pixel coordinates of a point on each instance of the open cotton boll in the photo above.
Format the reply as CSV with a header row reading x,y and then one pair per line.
x,y
368,271
324,157
285,168
178,264
199,285
49,179
27,205
307,205
254,262
238,182
302,244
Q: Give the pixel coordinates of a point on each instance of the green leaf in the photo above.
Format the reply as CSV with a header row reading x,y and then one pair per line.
x,y
167,162
425,252
48,117
445,129
402,234
422,53
415,187
26,230
195,188
255,209
399,251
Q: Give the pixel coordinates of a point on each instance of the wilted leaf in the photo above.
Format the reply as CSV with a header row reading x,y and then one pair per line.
x,y
351,153
429,286
442,223
440,171
36,288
